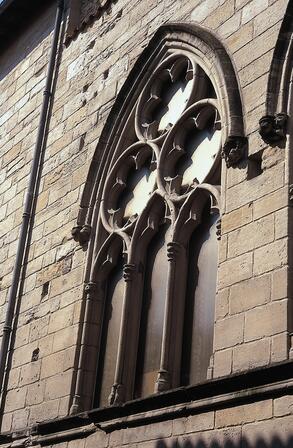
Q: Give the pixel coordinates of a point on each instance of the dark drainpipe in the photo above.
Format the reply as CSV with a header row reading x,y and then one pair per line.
x,y
30,195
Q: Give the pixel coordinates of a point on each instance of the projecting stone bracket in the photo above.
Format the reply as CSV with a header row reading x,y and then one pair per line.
x,y
272,128
81,234
233,150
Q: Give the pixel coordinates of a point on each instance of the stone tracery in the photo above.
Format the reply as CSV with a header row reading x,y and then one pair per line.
x,y
160,169
161,179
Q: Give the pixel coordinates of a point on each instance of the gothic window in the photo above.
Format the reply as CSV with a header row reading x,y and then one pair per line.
x,y
155,252
159,200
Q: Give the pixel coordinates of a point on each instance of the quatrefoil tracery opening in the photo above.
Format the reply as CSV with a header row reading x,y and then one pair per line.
x,y
130,184
185,154
176,83
191,151
140,185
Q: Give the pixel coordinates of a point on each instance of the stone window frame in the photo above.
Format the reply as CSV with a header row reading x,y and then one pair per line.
x,y
212,57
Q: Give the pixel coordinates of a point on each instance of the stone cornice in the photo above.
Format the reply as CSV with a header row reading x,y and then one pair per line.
x,y
237,389
78,20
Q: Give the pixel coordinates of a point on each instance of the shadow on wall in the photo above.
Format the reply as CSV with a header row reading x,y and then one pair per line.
x,y
210,440
48,13
21,42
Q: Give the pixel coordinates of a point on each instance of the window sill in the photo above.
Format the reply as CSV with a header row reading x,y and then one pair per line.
x,y
250,386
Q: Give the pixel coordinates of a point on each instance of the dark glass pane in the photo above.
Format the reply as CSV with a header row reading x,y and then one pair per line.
x,y
110,335
149,353
200,301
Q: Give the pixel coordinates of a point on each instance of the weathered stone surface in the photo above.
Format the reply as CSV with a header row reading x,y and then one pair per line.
x,y
200,422
237,218
251,312
229,332
222,363
251,355
246,192
251,236
250,293
222,304
235,270
280,347
44,411
30,373
244,414
270,203
280,280
279,430
283,406
252,9
241,37
266,320
58,386
97,439
270,257
219,437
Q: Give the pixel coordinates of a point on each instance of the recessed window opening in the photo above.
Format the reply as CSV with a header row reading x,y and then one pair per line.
x,y
45,289
200,300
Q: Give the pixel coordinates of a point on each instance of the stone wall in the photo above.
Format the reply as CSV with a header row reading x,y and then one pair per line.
x,y
253,300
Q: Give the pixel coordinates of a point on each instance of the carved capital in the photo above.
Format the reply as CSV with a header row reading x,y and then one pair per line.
x,y
233,150
116,397
173,249
272,128
81,234
128,271
163,381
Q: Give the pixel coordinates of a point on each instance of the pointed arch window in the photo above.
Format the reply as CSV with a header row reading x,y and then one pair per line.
x,y
156,218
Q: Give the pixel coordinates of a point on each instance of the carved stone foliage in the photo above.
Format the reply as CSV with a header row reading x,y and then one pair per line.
x,y
162,168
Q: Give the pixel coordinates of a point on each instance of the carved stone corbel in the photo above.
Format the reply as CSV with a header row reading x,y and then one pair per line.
x,y
233,150
272,128
81,234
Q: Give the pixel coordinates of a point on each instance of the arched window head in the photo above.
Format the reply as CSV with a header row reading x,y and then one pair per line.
x,y
152,206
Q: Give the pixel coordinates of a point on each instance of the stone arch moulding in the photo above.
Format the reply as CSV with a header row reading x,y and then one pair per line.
x,y
272,126
121,147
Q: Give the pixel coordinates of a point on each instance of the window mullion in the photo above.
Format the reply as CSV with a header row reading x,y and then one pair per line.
x,y
119,388
169,373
